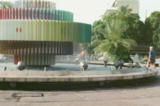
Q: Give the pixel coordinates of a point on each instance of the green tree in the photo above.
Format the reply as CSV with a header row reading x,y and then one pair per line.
x,y
131,22
152,25
98,30
5,4
120,31
97,33
116,46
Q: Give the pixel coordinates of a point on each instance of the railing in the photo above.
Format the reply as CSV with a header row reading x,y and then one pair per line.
x,y
141,49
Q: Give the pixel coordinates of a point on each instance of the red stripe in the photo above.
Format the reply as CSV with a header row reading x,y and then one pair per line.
x,y
23,13
39,4
15,59
0,14
3,13
16,13
8,13
43,4
46,5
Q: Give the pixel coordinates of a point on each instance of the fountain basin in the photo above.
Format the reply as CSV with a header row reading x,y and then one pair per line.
x,y
72,73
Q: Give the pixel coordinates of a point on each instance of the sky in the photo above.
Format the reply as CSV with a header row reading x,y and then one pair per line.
x,y
87,11
90,10
147,7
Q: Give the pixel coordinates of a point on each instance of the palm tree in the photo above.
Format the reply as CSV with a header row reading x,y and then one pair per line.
x,y
114,44
124,11
5,4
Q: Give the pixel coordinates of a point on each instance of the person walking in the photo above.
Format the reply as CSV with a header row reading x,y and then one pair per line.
x,y
151,58
82,55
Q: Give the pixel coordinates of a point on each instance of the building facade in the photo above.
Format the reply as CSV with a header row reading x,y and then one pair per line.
x,y
132,4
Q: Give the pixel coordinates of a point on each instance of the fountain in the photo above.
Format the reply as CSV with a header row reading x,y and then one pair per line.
x,y
36,32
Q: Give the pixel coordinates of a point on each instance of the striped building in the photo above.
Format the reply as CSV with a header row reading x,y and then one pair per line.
x,y
36,32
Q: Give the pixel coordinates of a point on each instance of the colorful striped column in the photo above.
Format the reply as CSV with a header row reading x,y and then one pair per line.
x,y
37,32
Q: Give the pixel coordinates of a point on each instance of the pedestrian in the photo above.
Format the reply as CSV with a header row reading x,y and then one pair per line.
x,y
105,59
82,55
151,57
83,62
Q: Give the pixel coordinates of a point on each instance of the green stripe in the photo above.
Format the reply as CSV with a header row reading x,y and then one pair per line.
x,y
60,31
72,31
29,27
67,31
63,30
49,30
44,30
53,30
56,30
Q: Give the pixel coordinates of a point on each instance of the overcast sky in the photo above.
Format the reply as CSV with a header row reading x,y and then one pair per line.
x,y
90,10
